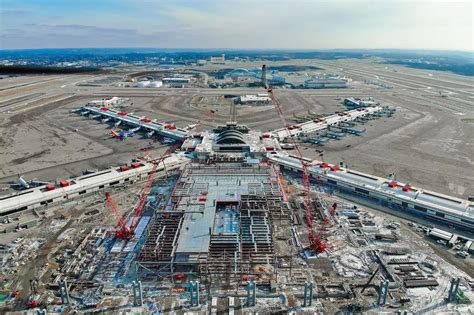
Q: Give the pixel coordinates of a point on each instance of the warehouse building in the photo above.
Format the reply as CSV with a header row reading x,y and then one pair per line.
x,y
106,102
177,82
325,84
258,99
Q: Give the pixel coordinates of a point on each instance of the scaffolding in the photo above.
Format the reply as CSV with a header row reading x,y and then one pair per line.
x,y
242,201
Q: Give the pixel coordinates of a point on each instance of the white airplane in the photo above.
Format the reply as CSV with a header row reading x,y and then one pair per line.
x,y
105,119
89,171
191,126
22,183
117,123
133,130
94,116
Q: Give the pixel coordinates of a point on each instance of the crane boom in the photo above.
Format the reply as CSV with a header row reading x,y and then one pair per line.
x,y
149,183
315,239
123,231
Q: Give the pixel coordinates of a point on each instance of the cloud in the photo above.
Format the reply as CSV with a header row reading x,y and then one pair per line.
x,y
293,24
81,29
80,36
5,13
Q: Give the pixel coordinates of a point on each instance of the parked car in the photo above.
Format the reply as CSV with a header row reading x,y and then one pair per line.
x,y
462,254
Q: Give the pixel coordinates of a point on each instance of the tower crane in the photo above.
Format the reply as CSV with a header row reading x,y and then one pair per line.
x,y
316,243
122,230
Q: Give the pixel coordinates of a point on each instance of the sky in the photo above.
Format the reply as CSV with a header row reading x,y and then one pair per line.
x,y
240,24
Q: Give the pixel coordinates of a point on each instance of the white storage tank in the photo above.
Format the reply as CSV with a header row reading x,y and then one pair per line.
x,y
440,234
156,84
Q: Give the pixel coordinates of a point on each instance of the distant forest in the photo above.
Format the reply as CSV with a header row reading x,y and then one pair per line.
x,y
33,69
48,60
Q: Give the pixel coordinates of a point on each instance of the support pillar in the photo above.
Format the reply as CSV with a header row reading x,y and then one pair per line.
x,y
383,292
308,294
235,262
251,294
64,292
137,293
194,291
453,290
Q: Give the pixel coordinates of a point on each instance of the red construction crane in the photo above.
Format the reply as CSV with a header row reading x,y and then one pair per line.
x,y
122,230
324,225
315,239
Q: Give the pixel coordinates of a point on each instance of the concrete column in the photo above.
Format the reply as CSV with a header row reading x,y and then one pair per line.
x,y
194,291
64,292
382,293
308,294
251,294
137,293
453,289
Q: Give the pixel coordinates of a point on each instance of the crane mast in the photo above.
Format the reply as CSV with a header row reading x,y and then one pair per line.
x,y
315,239
122,230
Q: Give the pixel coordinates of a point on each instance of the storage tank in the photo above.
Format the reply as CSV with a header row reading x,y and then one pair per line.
x,y
156,84
143,84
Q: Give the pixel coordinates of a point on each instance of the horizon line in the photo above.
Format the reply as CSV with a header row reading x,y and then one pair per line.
x,y
247,49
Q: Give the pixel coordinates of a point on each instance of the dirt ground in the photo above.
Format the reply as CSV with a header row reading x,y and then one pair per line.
x,y
427,143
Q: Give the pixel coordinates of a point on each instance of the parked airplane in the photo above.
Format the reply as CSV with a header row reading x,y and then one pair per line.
x,y
333,135
347,124
353,131
191,126
318,141
89,171
114,134
122,135
125,134
22,183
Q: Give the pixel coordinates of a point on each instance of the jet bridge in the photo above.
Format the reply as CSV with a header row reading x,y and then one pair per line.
x,y
320,124
143,124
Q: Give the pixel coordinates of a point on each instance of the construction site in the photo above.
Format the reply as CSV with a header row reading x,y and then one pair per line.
x,y
121,199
